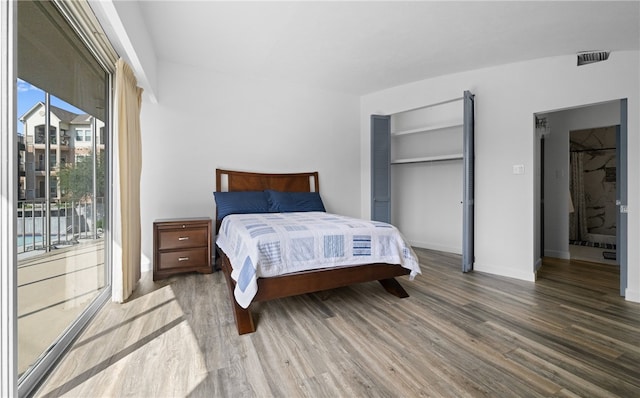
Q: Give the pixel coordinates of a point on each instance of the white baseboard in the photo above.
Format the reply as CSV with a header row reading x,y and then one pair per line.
x,y
632,295
557,254
537,265
435,246
521,274
145,264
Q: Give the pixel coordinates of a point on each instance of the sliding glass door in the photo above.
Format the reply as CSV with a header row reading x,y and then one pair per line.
x,y
62,204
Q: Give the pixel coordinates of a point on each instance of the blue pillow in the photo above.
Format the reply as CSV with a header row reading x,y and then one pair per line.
x,y
241,202
283,202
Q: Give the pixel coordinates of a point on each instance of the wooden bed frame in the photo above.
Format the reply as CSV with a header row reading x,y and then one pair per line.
x,y
300,282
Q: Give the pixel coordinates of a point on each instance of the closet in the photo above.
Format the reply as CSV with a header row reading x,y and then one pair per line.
x,y
422,174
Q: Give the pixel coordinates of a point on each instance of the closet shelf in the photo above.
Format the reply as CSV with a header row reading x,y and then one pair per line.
x,y
438,158
429,105
428,128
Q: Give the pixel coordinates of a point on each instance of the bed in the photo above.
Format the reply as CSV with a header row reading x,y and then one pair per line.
x,y
253,216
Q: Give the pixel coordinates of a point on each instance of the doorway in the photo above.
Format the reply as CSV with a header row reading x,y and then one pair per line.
x,y
580,149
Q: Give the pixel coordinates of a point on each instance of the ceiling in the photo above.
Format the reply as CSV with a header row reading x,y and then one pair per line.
x,y
363,47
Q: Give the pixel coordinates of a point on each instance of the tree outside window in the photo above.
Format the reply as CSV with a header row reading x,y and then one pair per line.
x,y
76,180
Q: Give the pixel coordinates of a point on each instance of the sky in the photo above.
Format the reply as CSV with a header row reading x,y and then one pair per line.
x,y
29,95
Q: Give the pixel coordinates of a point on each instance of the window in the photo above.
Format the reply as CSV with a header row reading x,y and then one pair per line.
x,y
83,135
53,187
40,138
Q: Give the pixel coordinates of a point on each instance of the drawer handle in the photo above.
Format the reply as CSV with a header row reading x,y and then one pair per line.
x,y
183,238
183,258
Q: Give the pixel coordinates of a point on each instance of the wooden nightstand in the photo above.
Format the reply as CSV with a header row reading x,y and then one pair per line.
x,y
181,245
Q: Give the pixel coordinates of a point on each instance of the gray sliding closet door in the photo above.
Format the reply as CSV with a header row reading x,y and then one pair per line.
x,y
468,181
381,168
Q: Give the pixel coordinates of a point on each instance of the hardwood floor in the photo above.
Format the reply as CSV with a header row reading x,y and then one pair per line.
x,y
457,335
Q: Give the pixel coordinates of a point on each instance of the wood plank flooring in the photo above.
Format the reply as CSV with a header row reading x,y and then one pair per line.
x,y
457,335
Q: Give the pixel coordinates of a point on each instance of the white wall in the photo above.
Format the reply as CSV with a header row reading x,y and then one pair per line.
x,y
124,24
205,120
507,97
429,215
556,223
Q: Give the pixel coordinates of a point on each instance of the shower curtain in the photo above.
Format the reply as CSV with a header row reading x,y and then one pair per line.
x,y
578,219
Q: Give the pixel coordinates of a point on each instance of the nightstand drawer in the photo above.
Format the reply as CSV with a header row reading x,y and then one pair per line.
x,y
190,258
186,238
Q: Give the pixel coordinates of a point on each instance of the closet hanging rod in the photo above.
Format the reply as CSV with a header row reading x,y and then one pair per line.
x,y
427,106
429,159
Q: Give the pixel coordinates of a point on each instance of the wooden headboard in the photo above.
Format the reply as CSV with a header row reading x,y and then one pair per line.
x,y
228,180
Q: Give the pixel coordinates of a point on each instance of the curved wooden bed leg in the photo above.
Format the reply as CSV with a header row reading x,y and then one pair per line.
x,y
392,286
244,320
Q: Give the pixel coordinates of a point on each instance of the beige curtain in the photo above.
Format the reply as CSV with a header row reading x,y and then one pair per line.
x,y
127,172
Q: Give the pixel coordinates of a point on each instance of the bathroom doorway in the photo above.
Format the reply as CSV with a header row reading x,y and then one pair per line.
x,y
582,201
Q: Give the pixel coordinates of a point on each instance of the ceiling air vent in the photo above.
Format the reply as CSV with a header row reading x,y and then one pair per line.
x,y
589,57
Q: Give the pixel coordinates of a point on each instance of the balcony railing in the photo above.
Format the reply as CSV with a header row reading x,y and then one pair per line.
x,y
40,167
66,223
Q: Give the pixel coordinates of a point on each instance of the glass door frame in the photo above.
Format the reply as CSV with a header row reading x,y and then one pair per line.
x,y
8,200
30,380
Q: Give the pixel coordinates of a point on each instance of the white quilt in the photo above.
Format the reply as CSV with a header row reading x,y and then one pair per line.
x,y
273,244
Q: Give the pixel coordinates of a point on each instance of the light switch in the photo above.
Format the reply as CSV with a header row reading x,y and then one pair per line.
x,y
518,169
